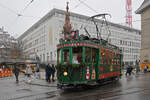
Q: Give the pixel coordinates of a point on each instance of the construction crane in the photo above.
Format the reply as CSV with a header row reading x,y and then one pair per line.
x,y
129,13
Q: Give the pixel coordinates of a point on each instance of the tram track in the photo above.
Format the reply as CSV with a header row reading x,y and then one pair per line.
x,y
38,96
105,95
108,95
98,91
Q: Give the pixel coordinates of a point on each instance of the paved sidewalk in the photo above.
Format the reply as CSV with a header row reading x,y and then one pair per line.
x,y
42,81
39,82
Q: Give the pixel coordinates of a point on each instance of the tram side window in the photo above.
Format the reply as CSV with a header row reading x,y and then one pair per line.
x,y
110,59
102,56
76,55
93,55
117,56
106,57
59,56
87,54
66,56
113,58
116,59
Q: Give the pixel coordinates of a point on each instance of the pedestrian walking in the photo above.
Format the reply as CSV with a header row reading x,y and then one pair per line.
x,y
48,71
137,66
128,70
37,71
53,72
28,71
132,68
16,71
145,68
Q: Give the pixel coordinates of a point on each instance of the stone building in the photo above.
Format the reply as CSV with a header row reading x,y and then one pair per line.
x,y
8,45
144,10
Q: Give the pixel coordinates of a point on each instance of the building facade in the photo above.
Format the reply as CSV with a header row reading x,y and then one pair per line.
x,y
41,39
144,10
8,45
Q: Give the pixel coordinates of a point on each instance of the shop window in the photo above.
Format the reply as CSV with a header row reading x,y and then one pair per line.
x,y
76,55
66,56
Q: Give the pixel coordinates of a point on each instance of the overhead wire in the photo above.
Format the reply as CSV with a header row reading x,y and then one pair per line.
x,y
21,14
27,5
10,10
88,6
78,4
16,13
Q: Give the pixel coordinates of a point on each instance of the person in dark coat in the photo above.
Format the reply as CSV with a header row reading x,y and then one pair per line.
x,y
128,71
16,71
53,72
48,72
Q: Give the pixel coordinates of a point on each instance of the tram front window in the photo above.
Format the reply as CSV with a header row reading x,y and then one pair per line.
x,y
87,55
59,56
65,56
76,55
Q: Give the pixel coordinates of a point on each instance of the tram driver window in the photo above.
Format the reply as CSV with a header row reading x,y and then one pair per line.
x,y
65,56
59,56
77,55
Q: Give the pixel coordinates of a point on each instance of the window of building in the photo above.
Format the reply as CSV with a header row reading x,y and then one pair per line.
x,y
40,57
43,57
51,56
47,57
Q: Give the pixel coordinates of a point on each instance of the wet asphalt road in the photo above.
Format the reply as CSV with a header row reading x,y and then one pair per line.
x,y
135,87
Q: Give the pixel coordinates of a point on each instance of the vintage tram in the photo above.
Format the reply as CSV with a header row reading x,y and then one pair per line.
x,y
82,60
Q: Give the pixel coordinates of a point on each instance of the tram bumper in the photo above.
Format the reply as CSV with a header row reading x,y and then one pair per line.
x,y
65,85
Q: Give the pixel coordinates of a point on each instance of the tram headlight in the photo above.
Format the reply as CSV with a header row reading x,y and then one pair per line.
x,y
65,73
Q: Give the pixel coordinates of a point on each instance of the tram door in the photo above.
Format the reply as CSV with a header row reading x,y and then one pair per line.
x,y
91,60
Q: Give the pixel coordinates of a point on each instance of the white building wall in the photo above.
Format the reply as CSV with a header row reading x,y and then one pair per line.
x,y
43,39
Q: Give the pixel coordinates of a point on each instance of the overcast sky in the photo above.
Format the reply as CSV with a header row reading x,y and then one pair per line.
x,y
30,14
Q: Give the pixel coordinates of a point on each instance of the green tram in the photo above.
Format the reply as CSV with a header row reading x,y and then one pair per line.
x,y
85,62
